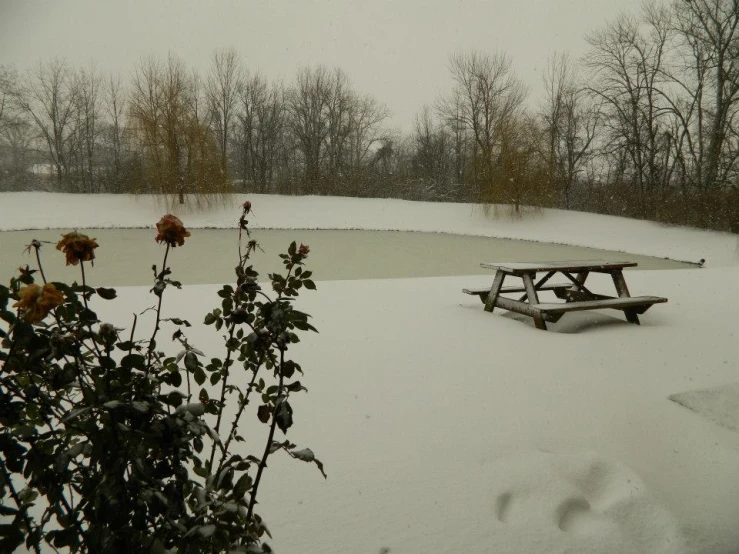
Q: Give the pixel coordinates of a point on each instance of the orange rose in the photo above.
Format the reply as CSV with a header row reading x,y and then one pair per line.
x,y
171,230
38,301
77,247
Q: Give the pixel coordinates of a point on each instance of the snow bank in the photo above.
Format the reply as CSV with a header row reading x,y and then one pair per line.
x,y
45,211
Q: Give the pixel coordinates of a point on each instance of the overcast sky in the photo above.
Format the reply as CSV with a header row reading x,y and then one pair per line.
x,y
396,50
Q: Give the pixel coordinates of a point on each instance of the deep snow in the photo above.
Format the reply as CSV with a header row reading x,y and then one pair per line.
x,y
447,429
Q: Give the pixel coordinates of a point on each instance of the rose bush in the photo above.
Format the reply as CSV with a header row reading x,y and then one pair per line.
x,y
111,443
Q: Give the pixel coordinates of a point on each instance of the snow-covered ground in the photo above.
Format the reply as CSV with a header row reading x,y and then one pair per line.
x,y
447,429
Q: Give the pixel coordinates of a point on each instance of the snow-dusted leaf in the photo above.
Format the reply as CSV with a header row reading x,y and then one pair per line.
x,y
306,454
194,408
141,407
214,436
74,413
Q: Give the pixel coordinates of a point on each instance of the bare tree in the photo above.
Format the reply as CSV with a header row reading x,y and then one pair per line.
x,y
338,116
486,95
627,63
569,124
87,93
114,105
16,134
47,98
307,101
224,82
261,120
709,79
8,84
432,160
367,117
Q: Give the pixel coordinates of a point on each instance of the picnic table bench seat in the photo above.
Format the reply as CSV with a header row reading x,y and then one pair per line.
x,y
482,292
633,304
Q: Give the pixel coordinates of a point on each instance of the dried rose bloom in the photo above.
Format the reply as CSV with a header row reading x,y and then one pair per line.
x,y
246,206
37,301
172,231
303,250
77,247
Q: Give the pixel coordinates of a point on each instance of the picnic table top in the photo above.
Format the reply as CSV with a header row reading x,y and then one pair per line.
x,y
571,265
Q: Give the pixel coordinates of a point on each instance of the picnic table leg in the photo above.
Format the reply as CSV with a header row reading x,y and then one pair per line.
x,y
623,292
528,284
581,278
494,291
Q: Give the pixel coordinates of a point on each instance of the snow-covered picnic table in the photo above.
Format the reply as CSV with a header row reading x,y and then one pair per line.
x,y
574,292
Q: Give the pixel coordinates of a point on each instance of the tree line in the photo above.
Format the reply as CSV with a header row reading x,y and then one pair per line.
x,y
643,125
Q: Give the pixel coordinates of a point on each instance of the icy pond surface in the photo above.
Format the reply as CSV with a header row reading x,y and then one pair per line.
x,y
125,256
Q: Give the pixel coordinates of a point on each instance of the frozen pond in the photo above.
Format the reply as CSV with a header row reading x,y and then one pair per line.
x,y
125,256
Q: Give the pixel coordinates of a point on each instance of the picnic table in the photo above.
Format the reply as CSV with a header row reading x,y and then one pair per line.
x,y
576,295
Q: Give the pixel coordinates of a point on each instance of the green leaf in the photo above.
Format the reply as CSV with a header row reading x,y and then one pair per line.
x,y
178,321
215,377
174,378
191,361
310,285
25,431
306,455
134,361
199,375
263,413
203,396
296,387
125,345
242,486
284,415
106,294
226,292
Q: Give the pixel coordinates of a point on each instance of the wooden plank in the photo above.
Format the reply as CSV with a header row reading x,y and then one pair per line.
x,y
494,291
519,307
623,292
620,284
579,281
518,268
516,288
635,302
540,283
533,298
572,295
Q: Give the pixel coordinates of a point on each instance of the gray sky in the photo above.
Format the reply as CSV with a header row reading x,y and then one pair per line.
x,y
397,51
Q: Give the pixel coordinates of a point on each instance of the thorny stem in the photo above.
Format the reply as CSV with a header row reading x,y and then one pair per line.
x,y
158,316
242,261
236,419
17,500
268,447
84,299
133,328
226,371
76,522
37,246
